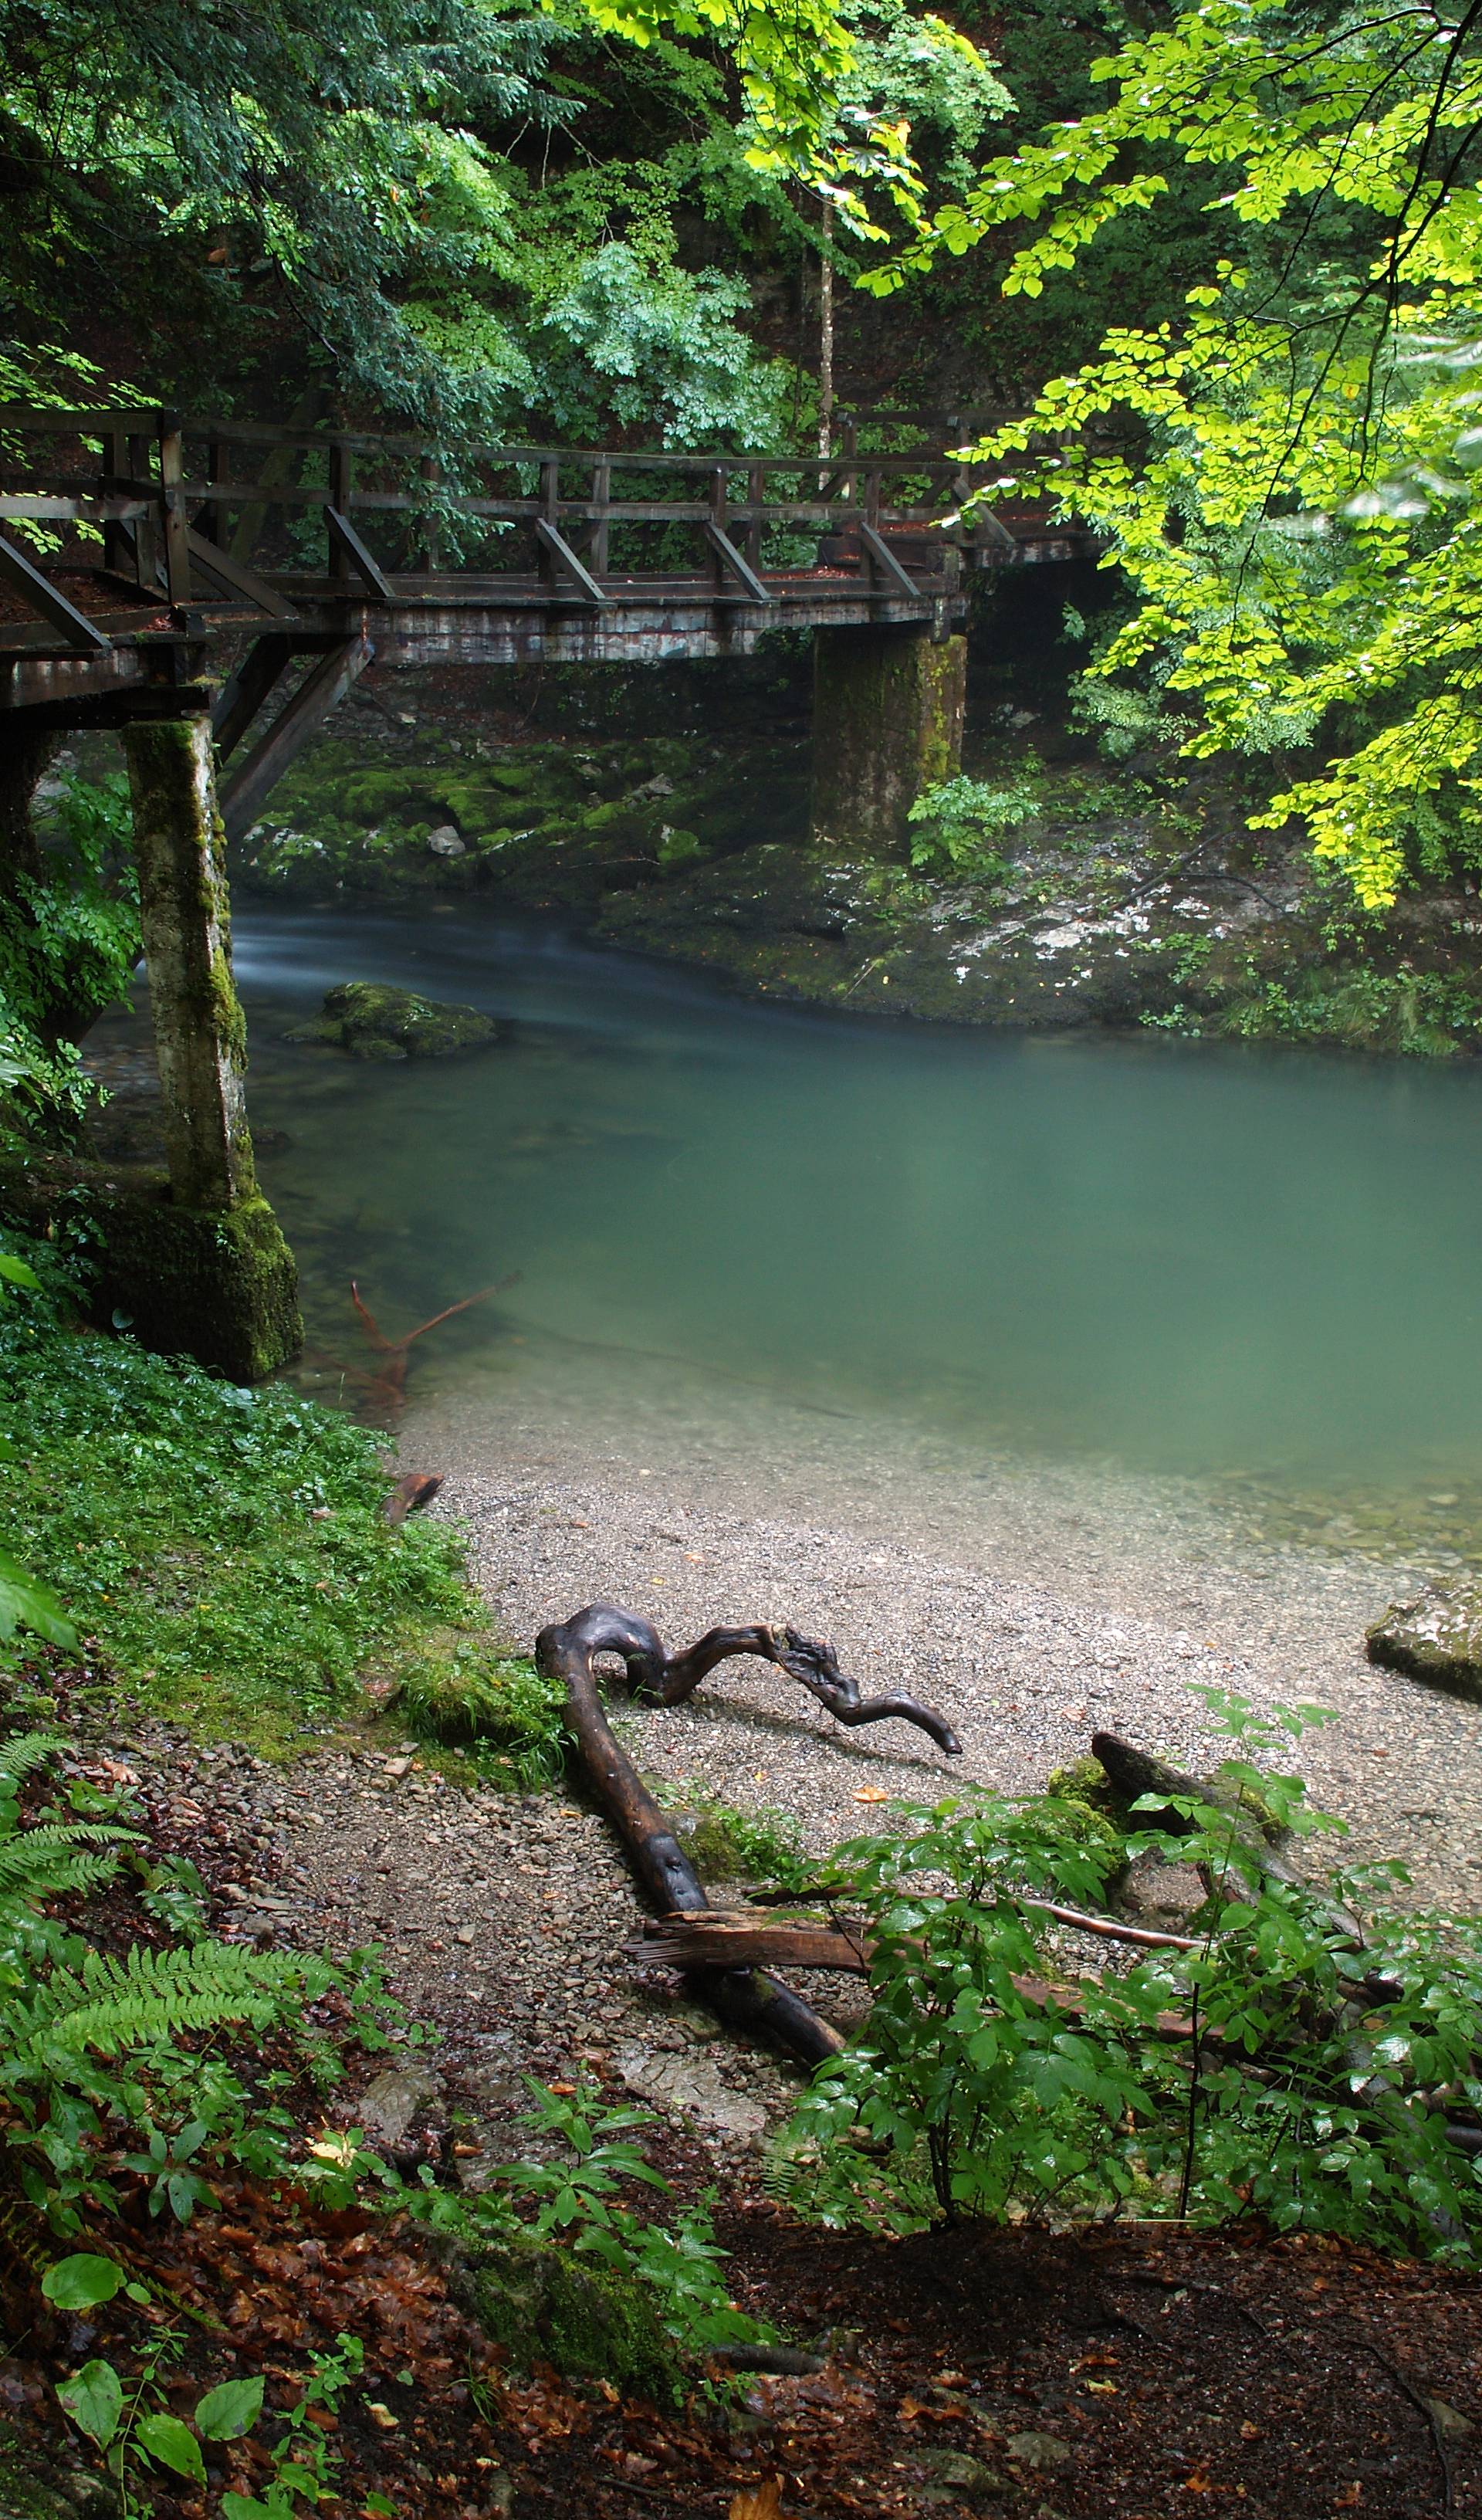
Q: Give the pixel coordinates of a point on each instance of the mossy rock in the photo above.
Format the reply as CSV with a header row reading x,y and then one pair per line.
x,y
1084,1792
547,2306
66,2492
372,1021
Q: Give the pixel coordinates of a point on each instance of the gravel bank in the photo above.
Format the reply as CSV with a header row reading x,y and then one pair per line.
x,y
1032,1610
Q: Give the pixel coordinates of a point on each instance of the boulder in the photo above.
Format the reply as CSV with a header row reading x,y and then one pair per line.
x,y
374,1022
1437,1638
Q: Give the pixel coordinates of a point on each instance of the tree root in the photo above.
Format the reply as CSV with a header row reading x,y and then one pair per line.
x,y
749,1999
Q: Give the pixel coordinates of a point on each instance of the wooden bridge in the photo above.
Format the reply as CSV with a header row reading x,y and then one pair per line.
x,y
212,589
175,549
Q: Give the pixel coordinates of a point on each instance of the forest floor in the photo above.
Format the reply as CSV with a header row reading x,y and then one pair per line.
x,y
1071,2376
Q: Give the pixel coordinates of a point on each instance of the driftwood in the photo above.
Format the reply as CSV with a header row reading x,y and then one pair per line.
x,y
412,1490
388,1386
842,1945
747,1997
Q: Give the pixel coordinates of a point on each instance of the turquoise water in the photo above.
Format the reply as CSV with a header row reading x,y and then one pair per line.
x,y
1182,1257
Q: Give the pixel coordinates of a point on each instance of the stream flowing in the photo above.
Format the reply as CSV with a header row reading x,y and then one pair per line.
x,y
737,1225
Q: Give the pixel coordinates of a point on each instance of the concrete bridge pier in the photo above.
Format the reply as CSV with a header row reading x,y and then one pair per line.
x,y
204,1270
888,722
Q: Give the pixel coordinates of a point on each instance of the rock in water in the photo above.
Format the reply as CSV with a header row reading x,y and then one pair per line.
x,y
1436,1637
372,1021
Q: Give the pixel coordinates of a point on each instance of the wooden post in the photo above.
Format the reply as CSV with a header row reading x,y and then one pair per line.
x,y
601,497
146,536
430,471
341,484
116,550
199,1029
756,496
177,555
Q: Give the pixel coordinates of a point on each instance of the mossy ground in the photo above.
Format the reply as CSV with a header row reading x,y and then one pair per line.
x,y
547,2305
225,1552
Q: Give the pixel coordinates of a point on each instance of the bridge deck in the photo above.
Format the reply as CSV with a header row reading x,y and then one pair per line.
x,y
135,558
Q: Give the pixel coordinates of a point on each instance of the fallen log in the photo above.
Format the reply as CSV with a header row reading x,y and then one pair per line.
x,y
745,1997
681,1940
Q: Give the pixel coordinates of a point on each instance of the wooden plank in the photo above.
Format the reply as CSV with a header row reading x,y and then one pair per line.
x,y
730,558
884,559
561,551
261,669
350,554
219,564
321,690
177,529
24,578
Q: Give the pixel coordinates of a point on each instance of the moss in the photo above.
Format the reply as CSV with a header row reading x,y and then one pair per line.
x,y
374,1022
547,2305
219,1285
65,2492
460,1691
1086,1798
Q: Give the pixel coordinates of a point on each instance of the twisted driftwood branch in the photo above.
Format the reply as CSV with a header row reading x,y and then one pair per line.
x,y
748,1998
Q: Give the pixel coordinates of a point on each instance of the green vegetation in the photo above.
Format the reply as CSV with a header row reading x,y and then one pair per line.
x,y
1287,469
1295,2063
69,943
958,821
226,1551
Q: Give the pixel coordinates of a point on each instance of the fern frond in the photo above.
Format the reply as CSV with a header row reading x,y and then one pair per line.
x,y
65,1869
26,1859
24,1752
116,2002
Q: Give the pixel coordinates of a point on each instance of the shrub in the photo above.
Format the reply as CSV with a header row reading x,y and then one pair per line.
x,y
1289,2064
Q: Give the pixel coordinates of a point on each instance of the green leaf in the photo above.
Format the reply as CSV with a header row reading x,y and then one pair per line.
x,y
26,1603
16,1271
82,2282
165,2438
94,2398
226,2413
246,2506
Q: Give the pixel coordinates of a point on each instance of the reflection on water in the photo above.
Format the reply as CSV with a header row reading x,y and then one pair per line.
x,y
1190,1258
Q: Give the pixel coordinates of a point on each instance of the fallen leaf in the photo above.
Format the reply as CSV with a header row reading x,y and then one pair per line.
x,y
1102,2388
766,2503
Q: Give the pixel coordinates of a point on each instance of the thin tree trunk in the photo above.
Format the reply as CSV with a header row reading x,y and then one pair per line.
x,y
826,337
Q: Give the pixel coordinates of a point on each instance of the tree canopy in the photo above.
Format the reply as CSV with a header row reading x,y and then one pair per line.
x,y
1288,471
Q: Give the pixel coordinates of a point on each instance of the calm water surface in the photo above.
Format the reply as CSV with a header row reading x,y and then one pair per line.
x,y
1179,1256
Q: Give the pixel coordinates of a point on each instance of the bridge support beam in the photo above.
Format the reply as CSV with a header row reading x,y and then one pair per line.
x,y
888,722
207,1270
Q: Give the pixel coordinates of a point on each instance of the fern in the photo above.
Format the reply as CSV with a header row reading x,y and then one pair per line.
x,y
22,1754
110,2004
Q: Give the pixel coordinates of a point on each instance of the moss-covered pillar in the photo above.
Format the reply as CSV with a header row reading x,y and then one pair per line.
x,y
234,1303
198,1031
888,722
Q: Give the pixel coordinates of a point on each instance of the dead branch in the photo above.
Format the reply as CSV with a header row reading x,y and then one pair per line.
x,y
567,1652
389,1388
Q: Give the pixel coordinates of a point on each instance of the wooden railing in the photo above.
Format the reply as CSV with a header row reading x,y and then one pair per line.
x,y
189,512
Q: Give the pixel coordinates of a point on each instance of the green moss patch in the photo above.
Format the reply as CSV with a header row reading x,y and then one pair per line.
x,y
372,1021
545,2306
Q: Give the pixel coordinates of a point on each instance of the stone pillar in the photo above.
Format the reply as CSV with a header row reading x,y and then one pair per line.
x,y
888,722
213,1275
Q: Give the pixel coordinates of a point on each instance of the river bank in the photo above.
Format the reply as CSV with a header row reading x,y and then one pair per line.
x,y
671,817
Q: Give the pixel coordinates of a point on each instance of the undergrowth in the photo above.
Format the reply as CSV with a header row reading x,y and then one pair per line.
x,y
225,1552
1302,2061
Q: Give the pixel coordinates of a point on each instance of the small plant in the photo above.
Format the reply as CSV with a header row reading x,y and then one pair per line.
x,y
576,2197
958,822
726,1844
1286,2066
459,1690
